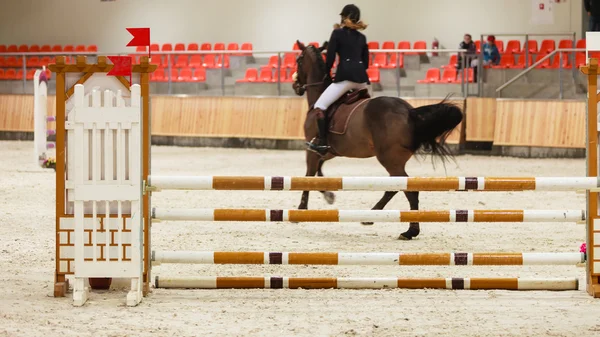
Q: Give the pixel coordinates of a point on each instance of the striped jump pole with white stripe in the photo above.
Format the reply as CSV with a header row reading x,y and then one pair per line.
x,y
215,282
402,259
168,214
372,183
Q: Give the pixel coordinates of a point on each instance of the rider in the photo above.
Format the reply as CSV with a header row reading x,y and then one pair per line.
x,y
351,45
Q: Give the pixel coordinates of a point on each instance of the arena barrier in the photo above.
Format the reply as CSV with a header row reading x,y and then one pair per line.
x,y
41,145
103,218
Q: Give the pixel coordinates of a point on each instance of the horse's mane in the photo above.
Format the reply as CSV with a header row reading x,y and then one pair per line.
x,y
320,62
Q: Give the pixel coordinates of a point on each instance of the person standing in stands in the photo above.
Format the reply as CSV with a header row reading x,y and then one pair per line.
x,y
592,7
468,44
351,45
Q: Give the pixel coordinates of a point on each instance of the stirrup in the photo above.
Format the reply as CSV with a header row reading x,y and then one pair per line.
x,y
320,149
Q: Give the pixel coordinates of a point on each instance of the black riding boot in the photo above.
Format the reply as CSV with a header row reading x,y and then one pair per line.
x,y
319,144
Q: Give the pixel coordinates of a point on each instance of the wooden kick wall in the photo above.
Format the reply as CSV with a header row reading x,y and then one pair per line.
x,y
505,122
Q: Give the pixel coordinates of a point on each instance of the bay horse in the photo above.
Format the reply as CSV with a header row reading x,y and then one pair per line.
x,y
388,128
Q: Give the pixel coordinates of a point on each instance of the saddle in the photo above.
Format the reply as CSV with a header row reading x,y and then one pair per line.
x,y
339,113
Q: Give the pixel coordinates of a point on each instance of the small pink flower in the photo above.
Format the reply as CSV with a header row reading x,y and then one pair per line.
x,y
583,248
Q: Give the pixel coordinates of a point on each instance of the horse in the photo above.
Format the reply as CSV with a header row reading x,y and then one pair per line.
x,y
386,127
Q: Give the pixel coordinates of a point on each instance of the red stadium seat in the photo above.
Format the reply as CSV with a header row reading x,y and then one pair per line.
x,y
219,46
69,48
157,60
547,46
12,48
420,45
57,48
251,76
193,46
30,74
289,61
565,44
46,60
158,75
580,44
266,75
34,48
154,47
556,61
14,62
432,76
3,49
233,46
185,75
195,61
500,46
247,46
166,47
513,47
206,46
2,61
33,62
393,62
580,59
380,60
220,64
477,45
388,45
507,61
532,47
545,64
451,62
199,75
448,76
404,45
273,62
10,74
140,49
373,45
374,75
80,48
521,62
182,62
46,49
92,48
459,77
2,74
179,47
209,61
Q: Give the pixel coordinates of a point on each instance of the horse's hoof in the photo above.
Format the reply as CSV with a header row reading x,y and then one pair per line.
x,y
329,197
366,223
405,236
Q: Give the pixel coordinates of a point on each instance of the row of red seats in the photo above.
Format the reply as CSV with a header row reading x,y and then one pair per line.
x,y
266,75
34,48
385,45
166,47
194,61
449,75
508,61
547,46
179,75
17,74
32,62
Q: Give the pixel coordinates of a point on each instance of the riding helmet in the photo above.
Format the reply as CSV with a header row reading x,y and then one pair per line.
x,y
351,12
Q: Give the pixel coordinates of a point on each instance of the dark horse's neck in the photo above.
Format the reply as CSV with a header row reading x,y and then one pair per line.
x,y
313,92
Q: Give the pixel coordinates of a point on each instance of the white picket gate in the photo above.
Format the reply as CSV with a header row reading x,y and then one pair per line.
x,y
103,184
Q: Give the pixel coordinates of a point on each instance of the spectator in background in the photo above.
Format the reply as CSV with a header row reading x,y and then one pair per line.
x,y
471,52
592,7
491,55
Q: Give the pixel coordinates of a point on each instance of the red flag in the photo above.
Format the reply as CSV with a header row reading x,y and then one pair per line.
x,y
141,37
121,66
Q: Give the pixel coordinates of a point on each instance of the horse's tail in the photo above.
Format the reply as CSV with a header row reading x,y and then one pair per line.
x,y
432,125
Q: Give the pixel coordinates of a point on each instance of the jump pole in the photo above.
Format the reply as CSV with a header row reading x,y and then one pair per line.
x,y
276,282
266,215
281,183
390,259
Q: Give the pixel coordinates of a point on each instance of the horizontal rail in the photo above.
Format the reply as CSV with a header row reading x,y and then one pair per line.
x,y
262,215
214,282
401,259
157,182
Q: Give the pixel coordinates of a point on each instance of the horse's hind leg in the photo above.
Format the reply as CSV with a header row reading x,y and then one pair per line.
x,y
395,163
312,166
329,196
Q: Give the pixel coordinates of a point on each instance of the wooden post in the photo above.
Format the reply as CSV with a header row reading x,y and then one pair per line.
x,y
593,274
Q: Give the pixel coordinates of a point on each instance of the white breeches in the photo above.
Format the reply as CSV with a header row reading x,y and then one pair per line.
x,y
335,91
